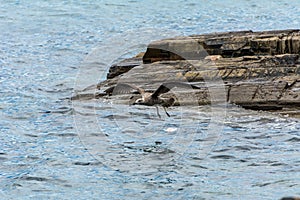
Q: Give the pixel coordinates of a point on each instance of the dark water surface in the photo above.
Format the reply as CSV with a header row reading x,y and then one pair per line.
x,y
52,148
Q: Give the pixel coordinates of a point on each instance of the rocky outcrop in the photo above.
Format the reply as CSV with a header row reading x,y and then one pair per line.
x,y
228,45
123,66
256,70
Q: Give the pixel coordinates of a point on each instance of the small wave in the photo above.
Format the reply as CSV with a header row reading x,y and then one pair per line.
x,y
225,157
293,139
33,178
87,163
63,134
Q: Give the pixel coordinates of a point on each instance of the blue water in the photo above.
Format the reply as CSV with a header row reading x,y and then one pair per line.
x,y
52,148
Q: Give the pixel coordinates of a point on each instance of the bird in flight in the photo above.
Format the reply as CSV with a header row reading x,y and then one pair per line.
x,y
151,98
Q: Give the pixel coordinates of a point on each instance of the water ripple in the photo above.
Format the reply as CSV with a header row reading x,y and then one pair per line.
x,y
47,140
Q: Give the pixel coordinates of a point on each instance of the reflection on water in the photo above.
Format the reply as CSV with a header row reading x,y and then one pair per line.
x,y
52,148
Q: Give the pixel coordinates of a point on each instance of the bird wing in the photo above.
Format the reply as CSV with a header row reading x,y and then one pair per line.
x,y
123,88
166,87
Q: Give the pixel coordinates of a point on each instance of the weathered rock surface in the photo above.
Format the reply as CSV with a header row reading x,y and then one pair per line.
x,y
228,45
256,70
123,66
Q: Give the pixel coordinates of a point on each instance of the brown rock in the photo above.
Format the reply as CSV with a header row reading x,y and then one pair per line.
x,y
124,66
230,44
257,70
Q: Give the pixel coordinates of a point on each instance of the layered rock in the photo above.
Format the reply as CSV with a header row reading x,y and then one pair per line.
x,y
123,66
228,45
256,70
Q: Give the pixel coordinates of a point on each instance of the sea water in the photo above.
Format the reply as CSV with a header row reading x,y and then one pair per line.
x,y
54,148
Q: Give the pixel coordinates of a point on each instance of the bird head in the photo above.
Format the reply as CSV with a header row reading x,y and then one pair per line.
x,y
139,101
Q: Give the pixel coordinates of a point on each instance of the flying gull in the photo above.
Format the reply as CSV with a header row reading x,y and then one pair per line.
x,y
151,98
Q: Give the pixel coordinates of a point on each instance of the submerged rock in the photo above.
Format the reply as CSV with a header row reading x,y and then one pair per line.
x,y
290,198
256,70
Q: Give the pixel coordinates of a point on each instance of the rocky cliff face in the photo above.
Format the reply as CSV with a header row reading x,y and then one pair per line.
x,y
256,70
